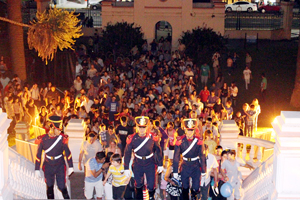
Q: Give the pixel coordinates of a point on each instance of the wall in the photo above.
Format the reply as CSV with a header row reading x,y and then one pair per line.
x,y
263,34
181,14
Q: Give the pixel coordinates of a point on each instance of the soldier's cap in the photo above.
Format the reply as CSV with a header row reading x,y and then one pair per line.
x,y
55,120
190,124
142,121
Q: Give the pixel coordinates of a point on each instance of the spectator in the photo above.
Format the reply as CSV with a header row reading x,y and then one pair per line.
x,y
263,87
230,169
95,167
247,75
88,149
205,74
119,182
248,60
251,114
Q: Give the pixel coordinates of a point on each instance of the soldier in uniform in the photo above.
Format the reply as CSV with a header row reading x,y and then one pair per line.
x,y
55,146
193,164
147,154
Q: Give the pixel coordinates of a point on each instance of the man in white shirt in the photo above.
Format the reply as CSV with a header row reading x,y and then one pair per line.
x,y
92,72
247,75
189,72
88,149
35,94
78,69
105,77
211,170
100,62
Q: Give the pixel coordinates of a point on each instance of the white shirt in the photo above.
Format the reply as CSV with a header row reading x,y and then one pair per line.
x,y
105,78
4,81
247,73
233,170
189,73
100,62
78,69
92,72
234,91
77,84
211,162
90,150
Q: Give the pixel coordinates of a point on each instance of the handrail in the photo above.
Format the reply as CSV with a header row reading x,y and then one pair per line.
x,y
256,141
259,184
22,179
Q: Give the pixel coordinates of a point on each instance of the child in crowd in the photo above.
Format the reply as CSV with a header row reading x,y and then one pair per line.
x,y
108,192
210,142
119,181
251,114
233,174
163,183
229,110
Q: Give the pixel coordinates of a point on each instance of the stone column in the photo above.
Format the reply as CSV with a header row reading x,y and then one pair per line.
x,y
6,192
42,5
229,133
286,161
287,7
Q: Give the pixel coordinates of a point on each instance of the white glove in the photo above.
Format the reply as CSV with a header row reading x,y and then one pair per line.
x,y
127,173
175,175
71,170
160,169
203,174
37,174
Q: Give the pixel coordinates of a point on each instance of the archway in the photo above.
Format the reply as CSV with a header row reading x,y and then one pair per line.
x,y
163,29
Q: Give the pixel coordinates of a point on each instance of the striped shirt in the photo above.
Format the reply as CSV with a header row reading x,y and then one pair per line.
x,y
119,177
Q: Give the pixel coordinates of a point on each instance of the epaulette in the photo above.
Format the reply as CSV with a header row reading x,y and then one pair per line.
x,y
180,137
200,141
155,138
178,142
129,138
39,139
65,138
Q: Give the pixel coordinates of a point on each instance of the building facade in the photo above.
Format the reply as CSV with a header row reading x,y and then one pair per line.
x,y
159,18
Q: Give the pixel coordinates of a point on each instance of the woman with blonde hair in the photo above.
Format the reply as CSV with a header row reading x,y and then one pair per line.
x,y
257,110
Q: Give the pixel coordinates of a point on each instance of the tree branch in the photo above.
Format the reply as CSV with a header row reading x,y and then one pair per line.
x,y
15,23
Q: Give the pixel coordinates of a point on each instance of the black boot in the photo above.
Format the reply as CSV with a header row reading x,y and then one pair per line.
x,y
194,195
151,195
139,193
185,193
50,192
65,193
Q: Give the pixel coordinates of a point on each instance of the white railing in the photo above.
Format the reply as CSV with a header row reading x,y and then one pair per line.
x,y
259,149
22,179
260,184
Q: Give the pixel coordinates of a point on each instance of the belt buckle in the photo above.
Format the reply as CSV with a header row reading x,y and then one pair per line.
x,y
143,157
52,157
189,159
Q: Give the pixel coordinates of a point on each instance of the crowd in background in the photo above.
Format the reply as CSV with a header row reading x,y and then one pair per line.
x,y
167,86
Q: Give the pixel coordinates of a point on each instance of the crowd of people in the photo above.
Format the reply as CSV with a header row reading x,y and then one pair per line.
x,y
166,87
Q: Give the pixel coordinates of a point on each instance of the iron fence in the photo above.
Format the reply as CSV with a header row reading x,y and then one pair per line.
x,y
296,21
83,15
253,21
